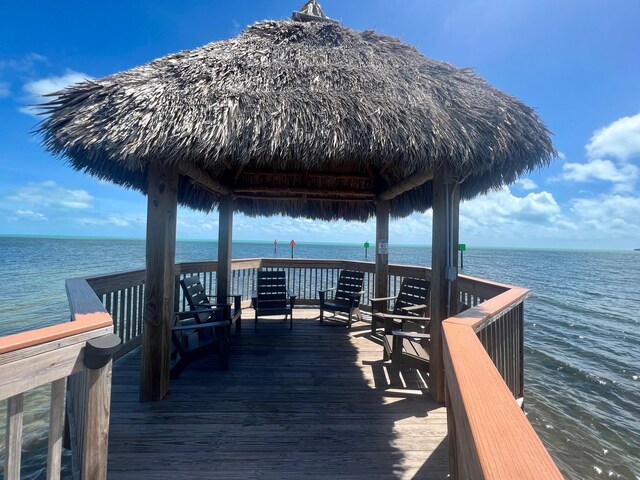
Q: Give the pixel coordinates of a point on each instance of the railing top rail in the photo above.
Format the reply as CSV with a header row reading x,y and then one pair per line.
x,y
483,313
18,341
103,276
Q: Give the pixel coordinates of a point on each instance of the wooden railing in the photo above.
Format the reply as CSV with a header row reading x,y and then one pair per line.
x,y
489,435
51,355
123,293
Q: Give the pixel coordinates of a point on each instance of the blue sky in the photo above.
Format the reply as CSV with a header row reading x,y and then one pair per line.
x,y
575,61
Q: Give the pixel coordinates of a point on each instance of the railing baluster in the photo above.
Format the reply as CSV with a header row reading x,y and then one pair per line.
x,y
13,437
56,428
123,305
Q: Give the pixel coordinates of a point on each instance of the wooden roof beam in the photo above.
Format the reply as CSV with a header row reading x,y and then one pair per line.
x,y
337,176
306,191
405,185
306,198
200,177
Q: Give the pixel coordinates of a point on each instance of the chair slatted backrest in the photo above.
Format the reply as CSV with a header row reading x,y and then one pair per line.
x,y
272,289
196,296
413,291
349,282
194,292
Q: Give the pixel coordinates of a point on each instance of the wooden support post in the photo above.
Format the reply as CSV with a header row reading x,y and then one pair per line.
x,y
162,207
96,423
225,236
382,238
446,201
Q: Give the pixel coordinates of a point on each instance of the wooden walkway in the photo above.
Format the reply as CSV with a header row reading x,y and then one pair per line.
x,y
309,403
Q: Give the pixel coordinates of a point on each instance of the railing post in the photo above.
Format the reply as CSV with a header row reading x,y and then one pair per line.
x,y
97,359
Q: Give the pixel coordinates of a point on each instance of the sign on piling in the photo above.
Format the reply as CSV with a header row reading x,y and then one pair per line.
x,y
293,244
462,247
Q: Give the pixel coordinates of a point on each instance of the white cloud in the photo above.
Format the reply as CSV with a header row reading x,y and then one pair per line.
x,y
527,184
31,215
503,207
623,176
37,89
50,194
562,156
608,152
620,140
609,216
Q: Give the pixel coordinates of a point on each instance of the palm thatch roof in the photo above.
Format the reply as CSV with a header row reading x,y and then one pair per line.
x,y
299,118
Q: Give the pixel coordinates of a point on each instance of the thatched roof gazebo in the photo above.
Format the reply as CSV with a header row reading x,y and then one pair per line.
x,y
303,118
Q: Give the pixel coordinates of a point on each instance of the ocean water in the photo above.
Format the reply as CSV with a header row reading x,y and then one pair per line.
x,y
582,332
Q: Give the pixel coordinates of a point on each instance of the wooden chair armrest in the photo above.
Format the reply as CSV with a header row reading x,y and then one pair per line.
x,y
411,318
199,326
226,296
325,290
291,293
413,308
401,334
191,313
380,299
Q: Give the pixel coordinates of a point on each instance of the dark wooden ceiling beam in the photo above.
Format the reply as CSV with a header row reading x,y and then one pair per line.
x,y
305,198
202,178
405,185
305,191
336,176
238,172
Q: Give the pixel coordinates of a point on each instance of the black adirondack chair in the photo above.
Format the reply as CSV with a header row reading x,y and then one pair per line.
x,y
272,297
198,333
198,299
347,296
411,304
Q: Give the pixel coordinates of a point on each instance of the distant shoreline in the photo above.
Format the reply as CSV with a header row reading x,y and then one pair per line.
x,y
285,243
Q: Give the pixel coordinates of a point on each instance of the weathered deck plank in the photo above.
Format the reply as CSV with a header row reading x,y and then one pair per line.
x,y
309,403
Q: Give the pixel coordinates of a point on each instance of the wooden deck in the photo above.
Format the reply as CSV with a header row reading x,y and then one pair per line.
x,y
309,403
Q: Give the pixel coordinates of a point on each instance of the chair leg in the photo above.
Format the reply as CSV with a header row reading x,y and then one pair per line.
x,y
255,326
394,375
349,325
396,361
321,314
291,321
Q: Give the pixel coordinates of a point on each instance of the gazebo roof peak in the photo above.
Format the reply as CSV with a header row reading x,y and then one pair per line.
x,y
311,12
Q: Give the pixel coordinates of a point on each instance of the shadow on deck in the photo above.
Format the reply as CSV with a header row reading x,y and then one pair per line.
x,y
309,403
